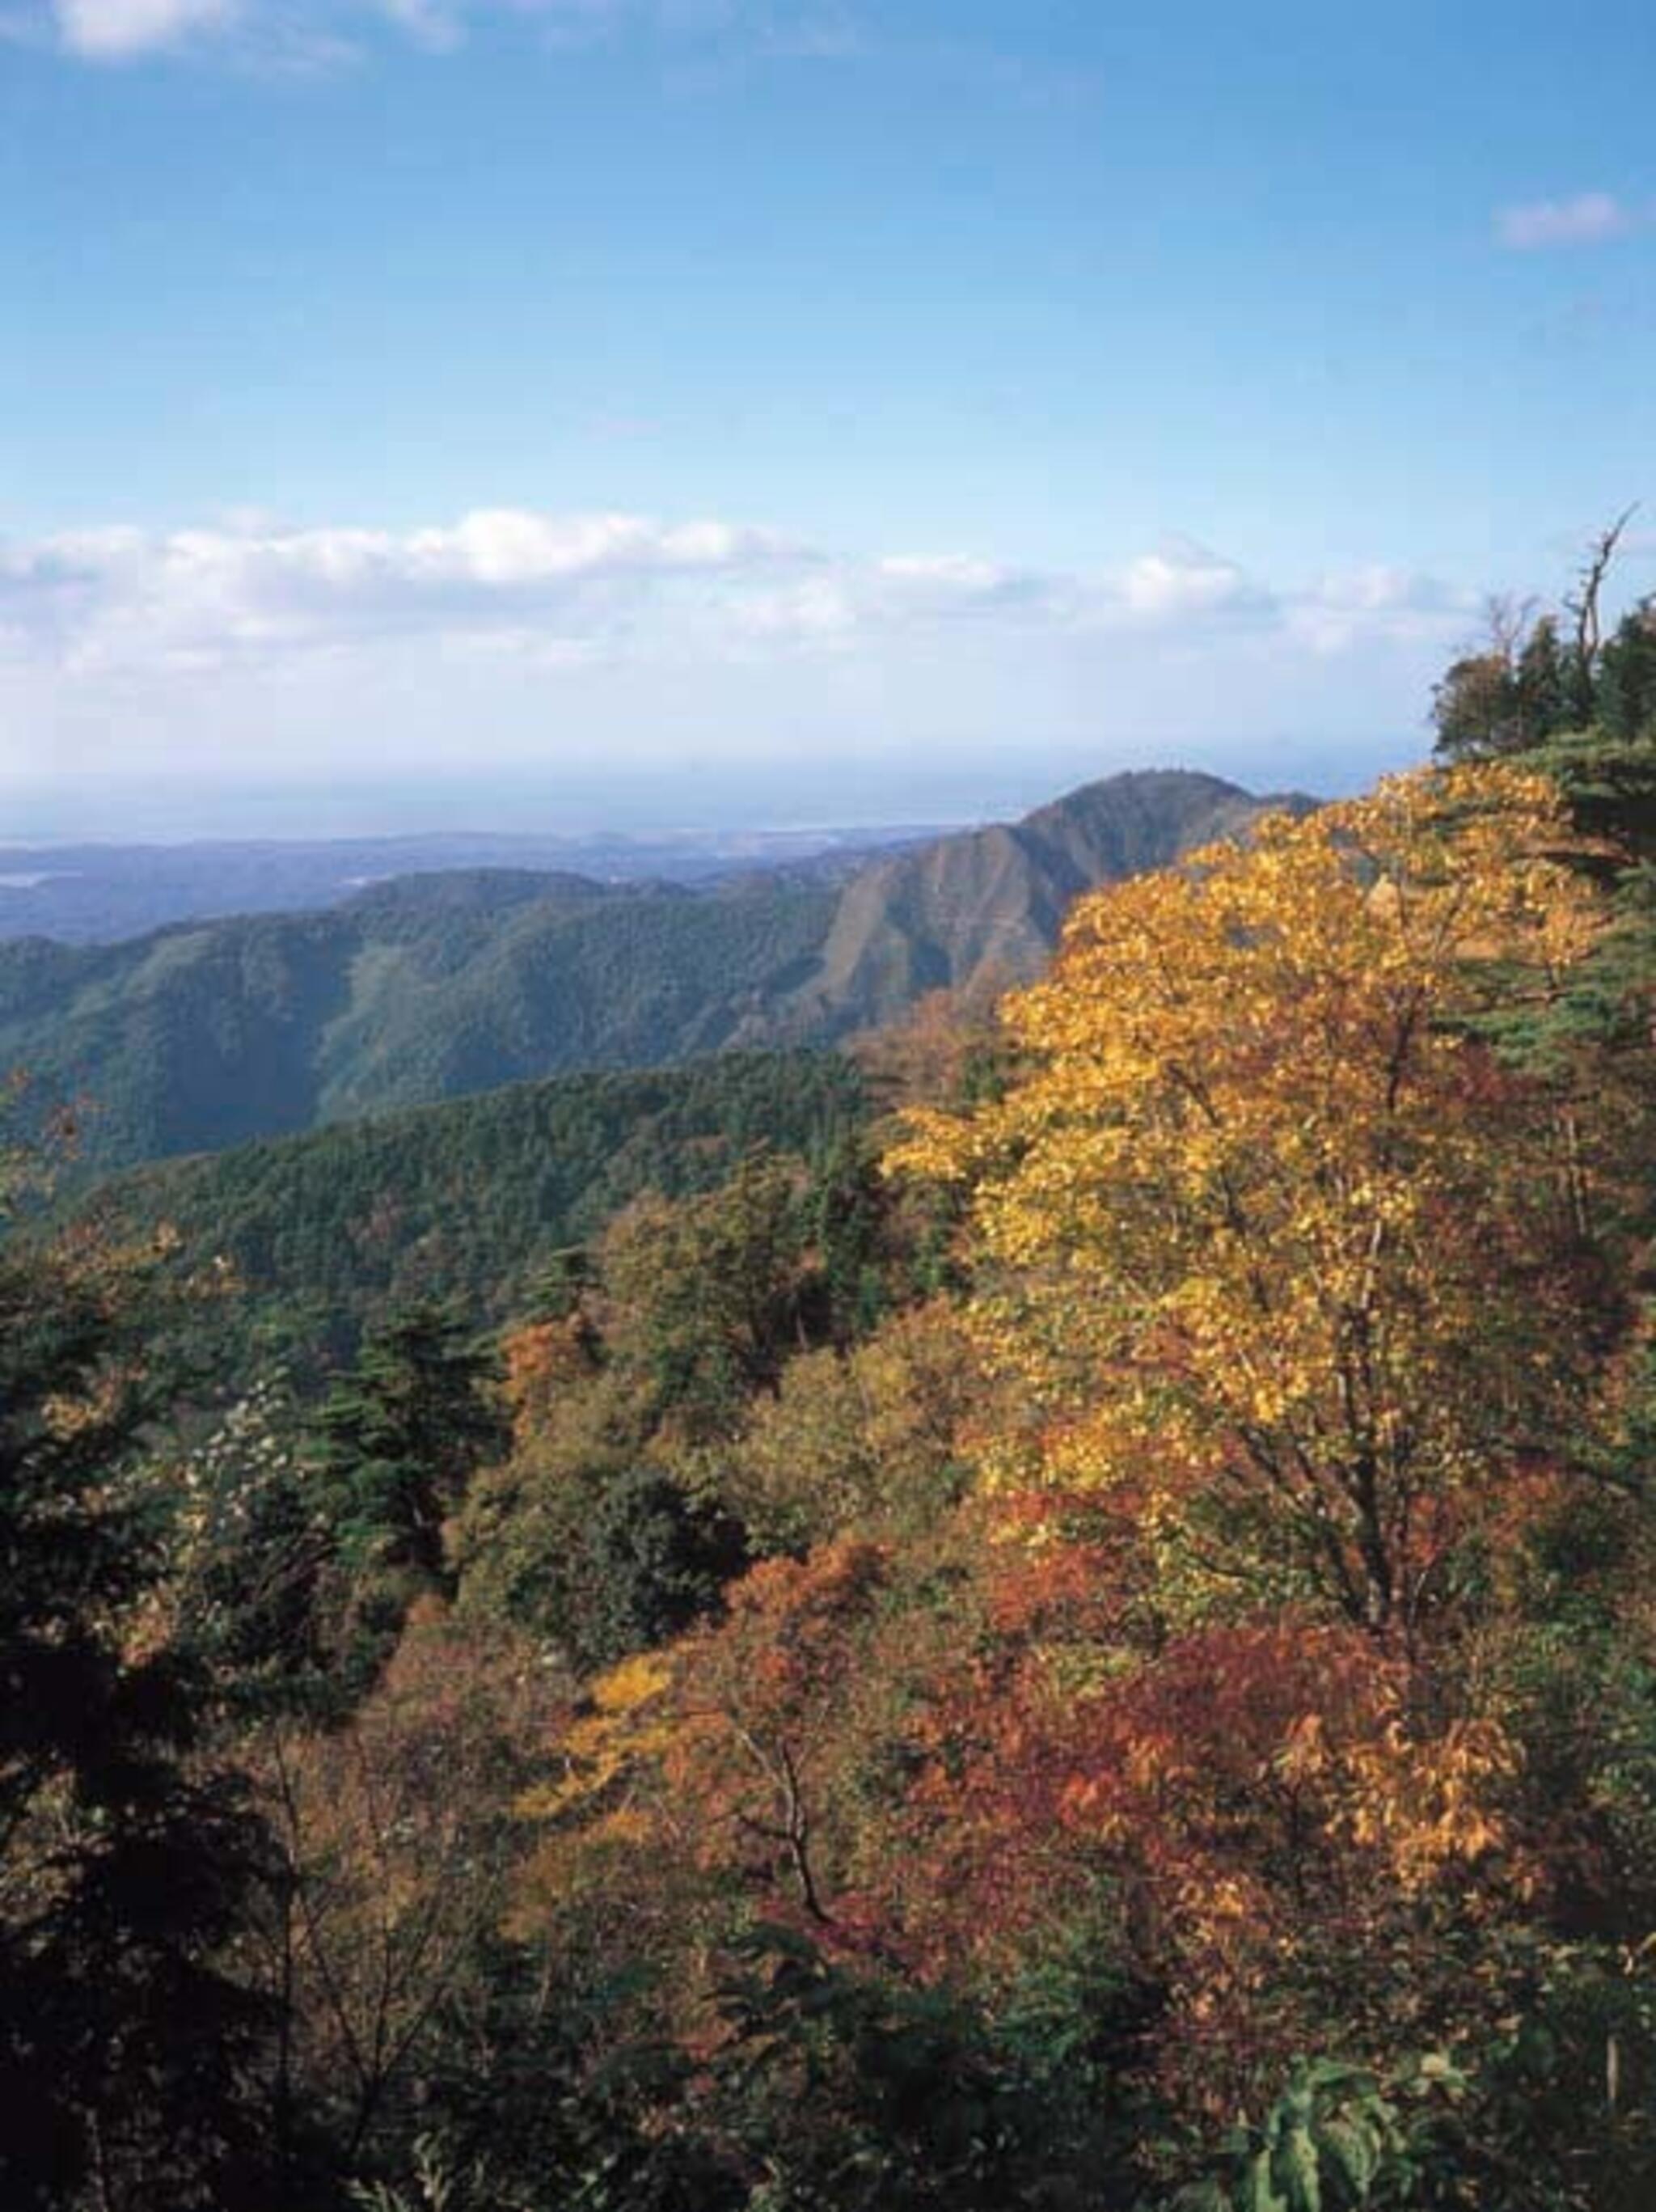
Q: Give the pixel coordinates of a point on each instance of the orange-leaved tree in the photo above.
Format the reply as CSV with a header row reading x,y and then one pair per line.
x,y
1293,1263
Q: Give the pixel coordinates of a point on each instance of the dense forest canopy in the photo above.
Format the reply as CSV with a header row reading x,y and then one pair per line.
x,y
314,1236
1087,1644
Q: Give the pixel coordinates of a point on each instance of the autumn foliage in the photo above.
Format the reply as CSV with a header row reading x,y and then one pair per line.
x,y
1102,1665
1293,1262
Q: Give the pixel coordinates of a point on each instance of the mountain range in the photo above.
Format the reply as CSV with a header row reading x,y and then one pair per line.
x,y
206,1034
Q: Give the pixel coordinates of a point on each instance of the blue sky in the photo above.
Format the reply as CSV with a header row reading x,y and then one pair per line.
x,y
840,407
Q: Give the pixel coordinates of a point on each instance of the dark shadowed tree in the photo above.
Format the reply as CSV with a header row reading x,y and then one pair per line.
x,y
400,1436
126,2054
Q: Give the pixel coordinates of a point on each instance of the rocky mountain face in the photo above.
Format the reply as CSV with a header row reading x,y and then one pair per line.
x,y
986,906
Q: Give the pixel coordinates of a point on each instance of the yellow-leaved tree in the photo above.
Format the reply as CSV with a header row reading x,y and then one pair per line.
x,y
1294,1265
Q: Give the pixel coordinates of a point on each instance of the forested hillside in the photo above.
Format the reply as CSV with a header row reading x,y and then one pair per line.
x,y
467,1202
437,987
425,988
1087,1646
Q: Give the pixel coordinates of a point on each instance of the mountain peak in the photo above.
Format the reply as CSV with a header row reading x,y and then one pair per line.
x,y
988,903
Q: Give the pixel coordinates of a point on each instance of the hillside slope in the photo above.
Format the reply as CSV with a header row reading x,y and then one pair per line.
x,y
207,1035
466,1200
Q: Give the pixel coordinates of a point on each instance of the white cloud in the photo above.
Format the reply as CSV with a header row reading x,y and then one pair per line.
x,y
842,601
1340,611
245,653
123,30
950,571
123,597
554,588
949,587
1586,220
819,610
115,30
1184,579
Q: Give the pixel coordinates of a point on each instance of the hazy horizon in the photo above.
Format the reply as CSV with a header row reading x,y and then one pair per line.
x,y
695,800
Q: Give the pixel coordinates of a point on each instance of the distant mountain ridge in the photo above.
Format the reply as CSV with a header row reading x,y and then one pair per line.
x,y
97,893
205,1034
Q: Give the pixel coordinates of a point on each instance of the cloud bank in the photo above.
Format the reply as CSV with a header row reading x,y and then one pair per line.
x,y
670,669
556,588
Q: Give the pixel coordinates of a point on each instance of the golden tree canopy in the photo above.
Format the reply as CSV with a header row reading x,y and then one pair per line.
x,y
1283,1246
